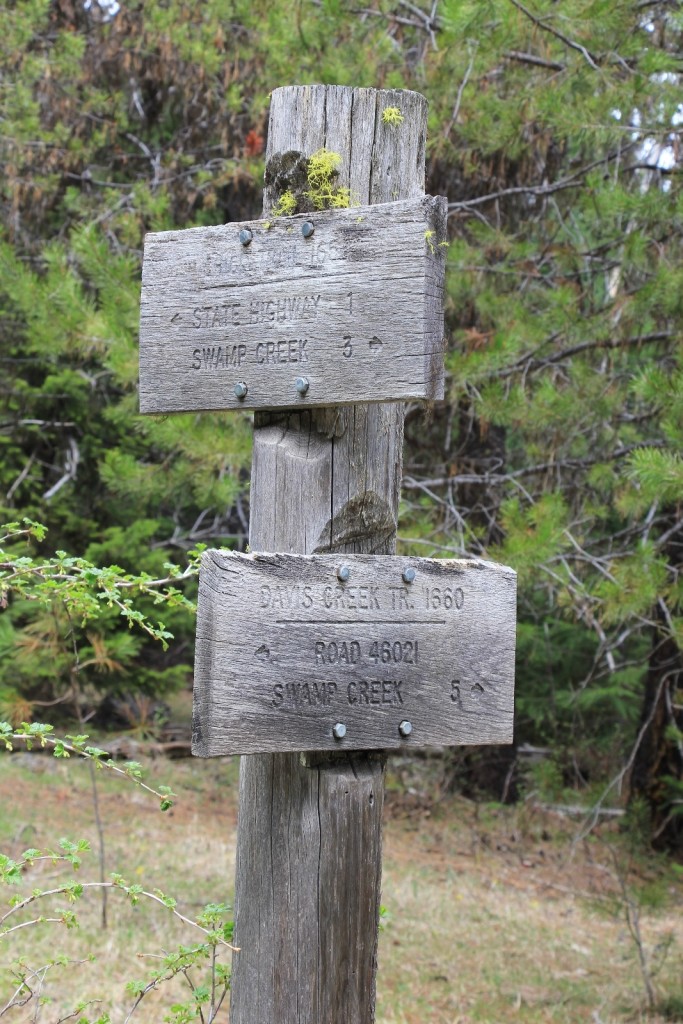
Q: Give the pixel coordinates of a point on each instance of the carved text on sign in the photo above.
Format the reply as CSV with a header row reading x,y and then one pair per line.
x,y
290,646
360,302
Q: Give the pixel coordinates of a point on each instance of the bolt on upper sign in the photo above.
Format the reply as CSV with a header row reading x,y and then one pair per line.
x,y
320,309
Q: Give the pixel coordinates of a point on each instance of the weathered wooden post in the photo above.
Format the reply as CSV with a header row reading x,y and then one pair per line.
x,y
320,664
309,848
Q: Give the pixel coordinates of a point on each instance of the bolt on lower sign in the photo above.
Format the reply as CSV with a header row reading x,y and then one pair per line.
x,y
321,652
322,309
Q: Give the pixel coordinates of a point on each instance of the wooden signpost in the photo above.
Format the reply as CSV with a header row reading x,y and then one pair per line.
x,y
331,651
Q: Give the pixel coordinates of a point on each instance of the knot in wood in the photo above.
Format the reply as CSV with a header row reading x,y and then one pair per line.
x,y
366,519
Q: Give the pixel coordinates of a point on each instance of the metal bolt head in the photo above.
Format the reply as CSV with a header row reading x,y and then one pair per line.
x,y
343,573
307,229
408,576
245,236
339,731
240,389
302,385
405,728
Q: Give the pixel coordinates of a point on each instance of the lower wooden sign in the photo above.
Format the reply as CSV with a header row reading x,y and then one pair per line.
x,y
330,652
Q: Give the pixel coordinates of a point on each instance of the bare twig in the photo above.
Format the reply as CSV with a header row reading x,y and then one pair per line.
x,y
71,460
531,58
632,917
591,819
576,811
571,181
529,363
20,479
588,57
75,688
518,190
19,998
487,479
458,98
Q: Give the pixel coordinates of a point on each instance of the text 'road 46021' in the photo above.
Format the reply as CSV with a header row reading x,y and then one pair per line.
x,y
322,309
320,652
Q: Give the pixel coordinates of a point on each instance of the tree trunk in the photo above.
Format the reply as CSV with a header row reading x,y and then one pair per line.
x,y
658,765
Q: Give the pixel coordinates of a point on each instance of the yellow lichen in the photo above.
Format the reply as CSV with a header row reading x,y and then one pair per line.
x,y
286,205
307,185
392,116
323,168
429,239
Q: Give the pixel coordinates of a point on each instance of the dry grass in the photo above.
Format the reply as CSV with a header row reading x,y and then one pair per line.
x,y
492,916
501,931
189,852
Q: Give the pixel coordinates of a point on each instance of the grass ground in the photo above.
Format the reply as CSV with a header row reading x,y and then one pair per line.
x,y
493,914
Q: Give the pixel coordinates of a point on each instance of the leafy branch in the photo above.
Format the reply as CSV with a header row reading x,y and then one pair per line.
x,y
39,733
182,960
74,890
86,589
31,980
212,922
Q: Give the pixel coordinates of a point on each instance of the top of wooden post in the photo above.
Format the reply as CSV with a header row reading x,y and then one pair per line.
x,y
380,162
330,307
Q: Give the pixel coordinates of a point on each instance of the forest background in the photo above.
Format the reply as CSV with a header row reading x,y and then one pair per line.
x,y
555,133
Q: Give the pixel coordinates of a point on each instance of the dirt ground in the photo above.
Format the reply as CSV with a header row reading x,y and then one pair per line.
x,y
492,914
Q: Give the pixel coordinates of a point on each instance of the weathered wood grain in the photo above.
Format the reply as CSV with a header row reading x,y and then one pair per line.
x,y
356,308
286,651
307,891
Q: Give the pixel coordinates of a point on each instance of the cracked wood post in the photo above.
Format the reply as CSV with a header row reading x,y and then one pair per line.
x,y
309,843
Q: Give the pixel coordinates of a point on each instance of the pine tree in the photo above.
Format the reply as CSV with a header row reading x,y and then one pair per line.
x,y
555,132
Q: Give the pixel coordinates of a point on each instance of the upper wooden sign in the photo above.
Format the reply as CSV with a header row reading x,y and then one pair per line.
x,y
325,652
319,309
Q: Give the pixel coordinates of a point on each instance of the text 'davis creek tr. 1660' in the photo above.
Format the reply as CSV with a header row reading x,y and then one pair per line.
x,y
321,652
